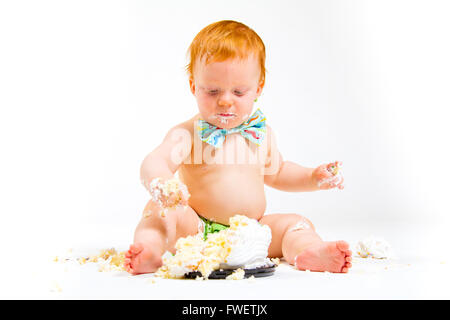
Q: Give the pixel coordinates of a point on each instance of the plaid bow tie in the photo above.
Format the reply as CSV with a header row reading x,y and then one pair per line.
x,y
254,129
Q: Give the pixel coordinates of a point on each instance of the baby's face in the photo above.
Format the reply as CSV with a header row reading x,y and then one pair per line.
x,y
225,91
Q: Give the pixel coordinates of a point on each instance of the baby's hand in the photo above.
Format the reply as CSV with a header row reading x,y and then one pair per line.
x,y
328,176
168,194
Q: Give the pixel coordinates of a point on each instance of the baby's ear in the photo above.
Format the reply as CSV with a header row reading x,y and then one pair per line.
x,y
192,85
260,87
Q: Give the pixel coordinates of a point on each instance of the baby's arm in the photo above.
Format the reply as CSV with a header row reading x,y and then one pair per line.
x,y
165,159
292,177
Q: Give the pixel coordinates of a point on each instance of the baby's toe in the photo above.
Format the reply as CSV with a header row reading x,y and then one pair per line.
x,y
127,265
128,254
346,267
136,248
342,246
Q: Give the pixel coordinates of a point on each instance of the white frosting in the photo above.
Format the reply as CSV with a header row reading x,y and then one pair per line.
x,y
244,245
161,191
335,179
223,119
374,247
189,254
249,246
179,270
301,225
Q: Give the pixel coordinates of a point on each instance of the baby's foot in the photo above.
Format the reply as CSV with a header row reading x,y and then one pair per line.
x,y
328,256
140,259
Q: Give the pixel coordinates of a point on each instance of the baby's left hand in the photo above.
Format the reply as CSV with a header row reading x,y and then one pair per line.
x,y
328,176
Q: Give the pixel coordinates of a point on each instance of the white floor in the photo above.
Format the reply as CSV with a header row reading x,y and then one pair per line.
x,y
420,271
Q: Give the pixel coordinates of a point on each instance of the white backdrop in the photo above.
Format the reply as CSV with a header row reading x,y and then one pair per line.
x,y
88,88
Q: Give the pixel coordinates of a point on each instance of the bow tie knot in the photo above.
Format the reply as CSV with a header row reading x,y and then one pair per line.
x,y
254,129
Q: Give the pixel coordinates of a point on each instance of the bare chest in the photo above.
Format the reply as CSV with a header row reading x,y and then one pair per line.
x,y
236,150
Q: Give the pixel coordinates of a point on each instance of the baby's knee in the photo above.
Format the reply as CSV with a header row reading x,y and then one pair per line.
x,y
153,217
188,222
298,222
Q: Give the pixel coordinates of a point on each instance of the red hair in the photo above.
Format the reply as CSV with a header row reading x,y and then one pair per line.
x,y
224,40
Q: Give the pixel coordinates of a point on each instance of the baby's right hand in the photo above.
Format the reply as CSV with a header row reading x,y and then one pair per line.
x,y
328,176
168,193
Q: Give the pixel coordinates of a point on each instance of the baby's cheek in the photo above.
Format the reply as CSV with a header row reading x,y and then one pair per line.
x,y
206,110
244,112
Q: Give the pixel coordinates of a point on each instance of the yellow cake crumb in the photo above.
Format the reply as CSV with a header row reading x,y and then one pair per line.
x,y
173,189
146,213
238,274
195,254
334,169
108,260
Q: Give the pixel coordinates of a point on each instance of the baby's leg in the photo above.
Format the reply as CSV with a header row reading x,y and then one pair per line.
x,y
155,235
294,238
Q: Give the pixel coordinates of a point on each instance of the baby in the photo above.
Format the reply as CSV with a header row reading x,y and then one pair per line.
x,y
224,156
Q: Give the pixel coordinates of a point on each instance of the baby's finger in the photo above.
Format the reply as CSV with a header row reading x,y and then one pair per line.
x,y
340,184
328,183
333,167
328,186
324,186
323,172
332,164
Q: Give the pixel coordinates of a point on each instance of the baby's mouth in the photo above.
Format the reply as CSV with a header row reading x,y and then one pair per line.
x,y
225,117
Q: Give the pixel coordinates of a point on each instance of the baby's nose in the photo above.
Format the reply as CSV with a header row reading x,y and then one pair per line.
x,y
225,102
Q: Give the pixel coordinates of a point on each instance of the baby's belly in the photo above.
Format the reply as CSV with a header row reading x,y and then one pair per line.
x,y
220,194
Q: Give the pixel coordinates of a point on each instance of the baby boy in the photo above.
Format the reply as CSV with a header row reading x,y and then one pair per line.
x,y
224,156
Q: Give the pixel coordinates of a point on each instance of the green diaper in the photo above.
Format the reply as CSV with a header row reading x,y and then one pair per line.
x,y
211,227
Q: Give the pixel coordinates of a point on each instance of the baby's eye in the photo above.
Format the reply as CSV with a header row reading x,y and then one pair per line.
x,y
238,93
213,92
